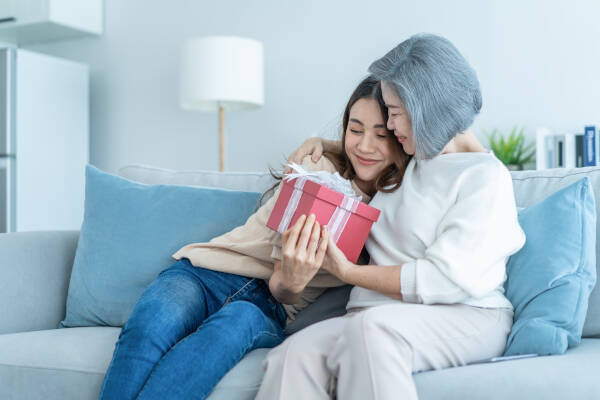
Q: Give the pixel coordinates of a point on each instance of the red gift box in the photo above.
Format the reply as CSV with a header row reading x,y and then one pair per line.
x,y
348,220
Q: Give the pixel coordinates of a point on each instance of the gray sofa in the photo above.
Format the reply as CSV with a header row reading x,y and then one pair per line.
x,y
38,361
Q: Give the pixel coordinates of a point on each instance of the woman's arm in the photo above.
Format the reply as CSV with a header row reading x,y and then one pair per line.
x,y
384,279
466,259
302,257
281,290
314,146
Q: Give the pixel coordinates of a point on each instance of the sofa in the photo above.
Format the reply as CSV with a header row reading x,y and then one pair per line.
x,y
39,361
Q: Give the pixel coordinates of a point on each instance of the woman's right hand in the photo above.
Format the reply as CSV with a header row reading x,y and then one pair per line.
x,y
313,146
302,257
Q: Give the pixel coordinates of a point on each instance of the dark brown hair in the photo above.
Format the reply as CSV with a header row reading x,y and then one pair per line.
x,y
391,177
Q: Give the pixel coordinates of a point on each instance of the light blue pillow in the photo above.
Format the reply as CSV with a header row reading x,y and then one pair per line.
x,y
550,279
129,232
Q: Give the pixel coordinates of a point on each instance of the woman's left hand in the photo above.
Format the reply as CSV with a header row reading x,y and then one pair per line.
x,y
335,261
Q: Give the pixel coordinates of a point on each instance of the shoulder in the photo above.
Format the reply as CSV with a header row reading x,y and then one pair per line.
x,y
481,166
484,172
488,167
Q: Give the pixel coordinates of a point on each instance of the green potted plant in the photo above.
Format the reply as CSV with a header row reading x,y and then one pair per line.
x,y
512,149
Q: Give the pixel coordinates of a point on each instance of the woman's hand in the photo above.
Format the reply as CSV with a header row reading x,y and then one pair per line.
x,y
375,277
302,257
335,261
314,146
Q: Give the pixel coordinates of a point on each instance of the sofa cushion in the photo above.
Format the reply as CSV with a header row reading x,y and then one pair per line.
x,y
129,232
243,380
551,277
245,181
572,375
70,364
568,376
55,364
531,187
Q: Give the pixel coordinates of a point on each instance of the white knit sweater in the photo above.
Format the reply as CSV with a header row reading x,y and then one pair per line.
x,y
452,226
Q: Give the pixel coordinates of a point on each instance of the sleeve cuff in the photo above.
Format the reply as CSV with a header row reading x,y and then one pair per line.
x,y
408,282
276,253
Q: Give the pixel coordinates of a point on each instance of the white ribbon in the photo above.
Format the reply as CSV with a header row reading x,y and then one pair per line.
x,y
292,205
333,181
341,215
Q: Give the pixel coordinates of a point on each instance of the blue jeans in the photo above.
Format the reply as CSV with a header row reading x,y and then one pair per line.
x,y
188,328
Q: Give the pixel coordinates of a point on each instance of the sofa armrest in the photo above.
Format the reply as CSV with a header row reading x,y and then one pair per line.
x,y
35,269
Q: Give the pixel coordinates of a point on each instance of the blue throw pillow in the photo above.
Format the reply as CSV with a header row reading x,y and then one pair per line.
x,y
129,232
550,279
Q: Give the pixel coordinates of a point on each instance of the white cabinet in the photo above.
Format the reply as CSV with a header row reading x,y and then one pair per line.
x,y
32,21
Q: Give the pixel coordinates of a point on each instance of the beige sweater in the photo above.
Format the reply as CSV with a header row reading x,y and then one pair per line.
x,y
253,248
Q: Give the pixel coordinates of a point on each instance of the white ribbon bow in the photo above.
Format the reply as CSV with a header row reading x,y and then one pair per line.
x,y
333,181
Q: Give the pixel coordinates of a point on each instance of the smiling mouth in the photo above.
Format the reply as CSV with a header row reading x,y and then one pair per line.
x,y
401,138
366,161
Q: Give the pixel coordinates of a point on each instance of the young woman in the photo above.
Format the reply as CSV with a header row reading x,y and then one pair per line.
x,y
224,298
433,296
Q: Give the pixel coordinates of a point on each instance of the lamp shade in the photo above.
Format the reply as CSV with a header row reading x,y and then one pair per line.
x,y
222,71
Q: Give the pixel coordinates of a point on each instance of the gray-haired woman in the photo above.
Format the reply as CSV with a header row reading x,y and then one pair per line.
x,y
433,296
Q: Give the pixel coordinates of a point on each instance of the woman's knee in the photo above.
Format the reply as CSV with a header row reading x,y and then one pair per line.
x,y
171,302
243,315
299,349
372,326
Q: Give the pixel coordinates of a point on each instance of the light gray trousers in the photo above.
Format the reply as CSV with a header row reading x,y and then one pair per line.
x,y
371,353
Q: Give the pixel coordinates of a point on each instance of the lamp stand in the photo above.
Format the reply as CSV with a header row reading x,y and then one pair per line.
x,y
221,139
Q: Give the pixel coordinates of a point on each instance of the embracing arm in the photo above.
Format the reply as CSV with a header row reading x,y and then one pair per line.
x,y
466,259
384,279
315,146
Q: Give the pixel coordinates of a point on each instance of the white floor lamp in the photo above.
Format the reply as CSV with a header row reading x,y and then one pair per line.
x,y
222,73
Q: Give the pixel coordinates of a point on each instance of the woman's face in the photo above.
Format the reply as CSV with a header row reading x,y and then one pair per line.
x,y
368,144
398,118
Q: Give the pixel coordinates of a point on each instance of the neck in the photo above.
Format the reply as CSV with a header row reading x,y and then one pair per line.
x,y
367,188
464,142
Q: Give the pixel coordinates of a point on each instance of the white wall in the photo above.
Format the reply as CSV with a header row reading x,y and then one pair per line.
x,y
538,63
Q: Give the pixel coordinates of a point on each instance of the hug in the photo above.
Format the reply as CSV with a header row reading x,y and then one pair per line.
x,y
428,290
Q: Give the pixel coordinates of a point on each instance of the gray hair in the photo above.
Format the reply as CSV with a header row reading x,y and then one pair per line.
x,y
436,85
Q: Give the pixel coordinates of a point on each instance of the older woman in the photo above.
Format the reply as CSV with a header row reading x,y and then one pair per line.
x,y
433,296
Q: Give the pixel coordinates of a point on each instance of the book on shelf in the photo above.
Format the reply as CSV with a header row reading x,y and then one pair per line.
x,y
579,152
590,146
568,150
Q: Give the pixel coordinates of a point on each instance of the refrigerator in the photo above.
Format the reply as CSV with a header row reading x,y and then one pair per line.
x,y
44,141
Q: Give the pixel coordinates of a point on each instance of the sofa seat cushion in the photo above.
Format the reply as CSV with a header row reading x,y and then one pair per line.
x,y
572,375
55,364
70,363
243,380
568,376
